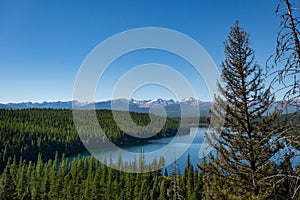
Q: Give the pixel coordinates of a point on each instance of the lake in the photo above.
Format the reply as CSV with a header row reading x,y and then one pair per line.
x,y
191,142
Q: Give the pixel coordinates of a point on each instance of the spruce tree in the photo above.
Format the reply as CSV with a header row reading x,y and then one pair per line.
x,y
7,188
240,165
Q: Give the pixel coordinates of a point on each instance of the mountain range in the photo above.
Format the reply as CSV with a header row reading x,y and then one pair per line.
x,y
192,107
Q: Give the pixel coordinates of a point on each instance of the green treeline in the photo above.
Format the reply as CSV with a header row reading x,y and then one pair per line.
x,y
87,178
30,132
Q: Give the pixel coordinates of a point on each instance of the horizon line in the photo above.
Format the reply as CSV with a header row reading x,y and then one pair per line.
x,y
96,101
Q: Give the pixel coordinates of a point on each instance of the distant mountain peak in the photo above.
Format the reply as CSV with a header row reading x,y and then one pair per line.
x,y
172,107
189,99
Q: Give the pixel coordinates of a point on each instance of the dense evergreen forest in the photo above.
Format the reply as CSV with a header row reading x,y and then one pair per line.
x,y
35,142
86,178
30,132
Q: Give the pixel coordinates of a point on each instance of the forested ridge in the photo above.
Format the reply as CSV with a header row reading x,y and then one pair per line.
x,y
34,146
30,132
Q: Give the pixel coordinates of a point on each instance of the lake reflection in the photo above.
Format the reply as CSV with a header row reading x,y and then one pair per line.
x,y
191,142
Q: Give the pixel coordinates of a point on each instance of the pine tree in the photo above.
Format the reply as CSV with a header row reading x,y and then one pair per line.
x,y
21,186
244,146
288,179
54,186
163,190
7,188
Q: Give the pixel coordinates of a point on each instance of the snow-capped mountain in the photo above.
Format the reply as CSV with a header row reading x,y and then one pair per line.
x,y
173,108
191,99
149,103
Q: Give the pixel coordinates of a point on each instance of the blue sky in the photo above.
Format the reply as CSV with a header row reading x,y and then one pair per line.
x,y
43,43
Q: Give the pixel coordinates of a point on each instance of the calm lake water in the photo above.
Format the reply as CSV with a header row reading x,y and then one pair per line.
x,y
191,142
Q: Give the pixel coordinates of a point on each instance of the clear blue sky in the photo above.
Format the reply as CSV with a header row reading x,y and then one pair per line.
x,y
43,43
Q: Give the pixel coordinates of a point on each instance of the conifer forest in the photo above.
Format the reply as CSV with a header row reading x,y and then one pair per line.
x,y
255,137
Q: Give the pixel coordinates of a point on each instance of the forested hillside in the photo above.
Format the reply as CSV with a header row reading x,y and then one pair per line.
x,y
27,133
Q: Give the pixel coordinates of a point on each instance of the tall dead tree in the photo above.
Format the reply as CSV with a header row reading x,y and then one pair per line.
x,y
286,77
287,56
